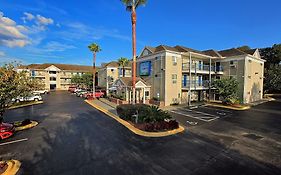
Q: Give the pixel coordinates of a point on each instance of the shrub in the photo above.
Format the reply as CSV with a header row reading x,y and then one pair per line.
x,y
158,126
146,113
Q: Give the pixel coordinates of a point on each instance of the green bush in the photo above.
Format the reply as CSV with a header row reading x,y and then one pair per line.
x,y
146,113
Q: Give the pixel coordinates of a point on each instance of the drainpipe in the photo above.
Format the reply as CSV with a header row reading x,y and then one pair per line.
x,y
189,91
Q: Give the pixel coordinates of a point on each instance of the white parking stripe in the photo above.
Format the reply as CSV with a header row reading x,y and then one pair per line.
x,y
198,118
15,141
198,112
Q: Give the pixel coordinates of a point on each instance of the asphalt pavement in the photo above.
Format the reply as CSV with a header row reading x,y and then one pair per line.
x,y
74,138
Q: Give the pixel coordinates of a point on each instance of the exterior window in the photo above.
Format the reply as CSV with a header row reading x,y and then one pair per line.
x,y
174,60
112,70
53,79
33,73
52,72
174,78
147,93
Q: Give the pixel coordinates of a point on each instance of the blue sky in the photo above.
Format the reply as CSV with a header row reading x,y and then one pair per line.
x,y
59,31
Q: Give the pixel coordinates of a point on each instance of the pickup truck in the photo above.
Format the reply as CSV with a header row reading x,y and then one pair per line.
x,y
98,94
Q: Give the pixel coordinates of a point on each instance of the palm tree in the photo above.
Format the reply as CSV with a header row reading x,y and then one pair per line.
x,y
94,48
132,5
123,62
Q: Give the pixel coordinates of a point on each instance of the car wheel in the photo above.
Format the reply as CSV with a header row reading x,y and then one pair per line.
x,y
36,99
17,101
45,92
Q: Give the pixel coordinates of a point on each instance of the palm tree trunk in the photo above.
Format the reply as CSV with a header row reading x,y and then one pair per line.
x,y
134,19
94,75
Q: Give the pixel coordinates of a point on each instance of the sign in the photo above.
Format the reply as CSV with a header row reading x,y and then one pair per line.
x,y
145,68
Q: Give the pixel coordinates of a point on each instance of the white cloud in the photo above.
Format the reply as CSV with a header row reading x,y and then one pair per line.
x,y
2,54
27,17
11,34
54,46
41,20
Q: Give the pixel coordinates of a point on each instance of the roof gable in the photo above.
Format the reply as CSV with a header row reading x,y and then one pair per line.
x,y
52,68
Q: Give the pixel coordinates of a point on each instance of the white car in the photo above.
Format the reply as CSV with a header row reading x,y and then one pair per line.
x,y
29,98
41,92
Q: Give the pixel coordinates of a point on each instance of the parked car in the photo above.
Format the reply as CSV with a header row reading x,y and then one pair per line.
x,y
6,130
41,91
81,93
36,97
98,94
71,88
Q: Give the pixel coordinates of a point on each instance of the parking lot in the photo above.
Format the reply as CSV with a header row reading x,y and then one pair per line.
x,y
199,114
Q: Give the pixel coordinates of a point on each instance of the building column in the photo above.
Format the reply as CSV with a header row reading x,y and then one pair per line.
x,y
143,95
210,78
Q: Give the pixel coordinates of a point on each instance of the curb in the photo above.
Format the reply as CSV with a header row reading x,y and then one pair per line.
x,y
13,167
24,105
229,107
31,125
136,130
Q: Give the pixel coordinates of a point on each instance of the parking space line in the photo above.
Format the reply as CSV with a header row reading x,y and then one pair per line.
x,y
198,112
14,141
198,118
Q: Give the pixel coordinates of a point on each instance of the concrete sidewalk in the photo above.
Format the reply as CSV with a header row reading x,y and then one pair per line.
x,y
105,104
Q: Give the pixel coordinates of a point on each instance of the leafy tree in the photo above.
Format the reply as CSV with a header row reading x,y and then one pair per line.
x,y
123,62
272,80
272,55
131,6
95,48
14,84
85,80
244,48
227,88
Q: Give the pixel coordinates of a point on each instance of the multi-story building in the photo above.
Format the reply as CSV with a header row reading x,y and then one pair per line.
x,y
110,72
55,76
181,75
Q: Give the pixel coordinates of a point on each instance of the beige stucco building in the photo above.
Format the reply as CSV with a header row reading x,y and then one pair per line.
x,y
110,72
55,76
175,72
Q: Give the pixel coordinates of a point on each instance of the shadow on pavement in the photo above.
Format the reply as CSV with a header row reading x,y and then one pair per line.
x,y
96,144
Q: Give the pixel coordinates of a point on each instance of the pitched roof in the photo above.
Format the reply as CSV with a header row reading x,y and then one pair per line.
x,y
212,53
164,47
114,64
231,52
251,51
128,81
186,49
69,67
151,49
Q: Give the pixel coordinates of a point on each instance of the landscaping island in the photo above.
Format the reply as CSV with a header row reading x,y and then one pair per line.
x,y
147,118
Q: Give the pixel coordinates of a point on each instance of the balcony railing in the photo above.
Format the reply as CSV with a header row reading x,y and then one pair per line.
x,y
201,67
196,83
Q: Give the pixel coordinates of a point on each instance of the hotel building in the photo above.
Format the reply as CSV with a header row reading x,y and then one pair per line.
x,y
182,75
55,76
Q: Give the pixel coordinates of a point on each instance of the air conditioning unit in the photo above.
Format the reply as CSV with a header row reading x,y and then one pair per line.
x,y
233,65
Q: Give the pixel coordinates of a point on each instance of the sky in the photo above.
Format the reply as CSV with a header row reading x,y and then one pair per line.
x,y
59,31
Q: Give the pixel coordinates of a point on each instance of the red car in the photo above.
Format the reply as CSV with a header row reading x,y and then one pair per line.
x,y
89,95
6,130
71,88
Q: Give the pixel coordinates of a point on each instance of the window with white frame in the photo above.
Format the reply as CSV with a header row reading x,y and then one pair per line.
x,y
174,78
174,59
